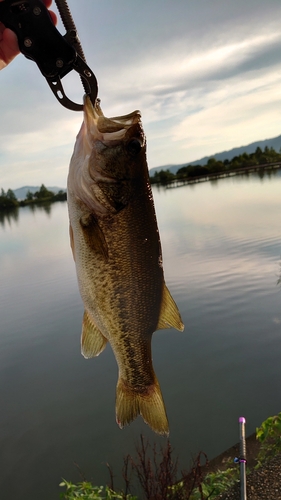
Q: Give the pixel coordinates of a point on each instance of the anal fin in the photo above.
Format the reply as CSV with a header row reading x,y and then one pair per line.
x,y
169,314
92,341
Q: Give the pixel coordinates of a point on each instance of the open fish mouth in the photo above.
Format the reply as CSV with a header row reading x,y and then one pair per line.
x,y
99,146
107,129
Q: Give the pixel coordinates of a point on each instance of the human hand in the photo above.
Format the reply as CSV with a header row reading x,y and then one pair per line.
x,y
9,48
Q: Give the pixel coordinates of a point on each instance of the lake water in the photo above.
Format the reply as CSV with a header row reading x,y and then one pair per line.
x,y
222,248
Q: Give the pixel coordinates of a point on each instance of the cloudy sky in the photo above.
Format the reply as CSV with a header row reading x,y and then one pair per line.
x,y
206,75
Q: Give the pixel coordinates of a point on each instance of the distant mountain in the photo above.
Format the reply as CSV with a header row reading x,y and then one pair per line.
x,y
274,143
20,193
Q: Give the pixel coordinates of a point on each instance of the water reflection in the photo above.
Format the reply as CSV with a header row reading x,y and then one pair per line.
x,y
12,215
268,173
43,207
260,173
9,216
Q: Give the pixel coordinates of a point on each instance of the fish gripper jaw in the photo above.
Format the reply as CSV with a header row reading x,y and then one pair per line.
x,y
55,54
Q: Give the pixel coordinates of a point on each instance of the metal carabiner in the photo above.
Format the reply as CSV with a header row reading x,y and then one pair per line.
x,y
55,55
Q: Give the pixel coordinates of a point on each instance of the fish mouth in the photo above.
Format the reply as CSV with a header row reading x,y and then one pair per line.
x,y
107,129
100,146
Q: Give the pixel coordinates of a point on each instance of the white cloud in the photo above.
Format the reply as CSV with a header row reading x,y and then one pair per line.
x,y
245,112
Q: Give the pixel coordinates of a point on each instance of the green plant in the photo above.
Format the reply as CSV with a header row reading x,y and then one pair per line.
x,y
269,435
216,483
86,491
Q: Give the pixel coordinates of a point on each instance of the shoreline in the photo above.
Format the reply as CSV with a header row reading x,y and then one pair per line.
x,y
263,483
226,458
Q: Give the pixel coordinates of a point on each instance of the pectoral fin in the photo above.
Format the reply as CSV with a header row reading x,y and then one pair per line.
x,y
93,235
72,241
92,341
169,313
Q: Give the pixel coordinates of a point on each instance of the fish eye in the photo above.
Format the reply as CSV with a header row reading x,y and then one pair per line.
x,y
134,146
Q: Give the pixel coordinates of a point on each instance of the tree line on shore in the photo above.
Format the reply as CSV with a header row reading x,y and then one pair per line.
x,y
213,166
8,200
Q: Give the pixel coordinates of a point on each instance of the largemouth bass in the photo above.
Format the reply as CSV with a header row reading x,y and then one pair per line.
x,y
117,252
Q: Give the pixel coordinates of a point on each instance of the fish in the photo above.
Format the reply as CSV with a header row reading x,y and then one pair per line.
x,y
117,252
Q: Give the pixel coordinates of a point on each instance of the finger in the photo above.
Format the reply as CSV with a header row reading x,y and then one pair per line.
x,y
47,3
53,16
8,47
2,27
11,41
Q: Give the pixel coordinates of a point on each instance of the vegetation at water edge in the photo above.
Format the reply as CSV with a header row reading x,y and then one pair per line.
x,y
156,472
8,200
213,166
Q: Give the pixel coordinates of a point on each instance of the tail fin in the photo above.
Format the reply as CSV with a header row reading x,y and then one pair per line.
x,y
149,404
